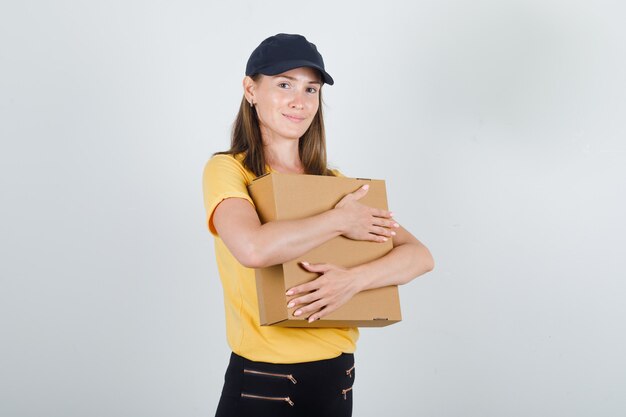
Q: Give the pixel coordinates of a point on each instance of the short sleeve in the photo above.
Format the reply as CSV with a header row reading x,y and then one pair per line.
x,y
223,177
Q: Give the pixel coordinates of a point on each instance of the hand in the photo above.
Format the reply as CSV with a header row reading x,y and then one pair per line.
x,y
332,289
362,222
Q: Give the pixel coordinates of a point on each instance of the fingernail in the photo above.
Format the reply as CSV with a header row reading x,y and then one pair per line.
x,y
304,263
366,186
311,319
393,233
291,304
297,313
391,213
290,292
396,225
384,239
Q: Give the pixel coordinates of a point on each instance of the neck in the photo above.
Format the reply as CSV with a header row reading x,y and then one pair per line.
x,y
282,155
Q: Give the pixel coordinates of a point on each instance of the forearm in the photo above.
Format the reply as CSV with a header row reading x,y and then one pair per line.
x,y
402,264
280,241
337,285
257,245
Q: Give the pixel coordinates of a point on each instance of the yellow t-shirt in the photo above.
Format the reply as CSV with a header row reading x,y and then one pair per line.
x,y
225,177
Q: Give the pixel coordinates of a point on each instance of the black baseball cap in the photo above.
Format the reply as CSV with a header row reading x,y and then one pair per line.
x,y
283,52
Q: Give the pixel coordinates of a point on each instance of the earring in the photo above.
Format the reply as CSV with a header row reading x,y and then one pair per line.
x,y
251,104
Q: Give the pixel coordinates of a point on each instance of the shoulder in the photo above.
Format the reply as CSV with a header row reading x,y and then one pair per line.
x,y
224,160
227,165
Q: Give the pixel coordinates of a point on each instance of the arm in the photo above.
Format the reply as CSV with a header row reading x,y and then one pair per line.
x,y
256,245
408,259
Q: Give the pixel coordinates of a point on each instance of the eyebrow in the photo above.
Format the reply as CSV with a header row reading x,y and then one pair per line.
x,y
295,79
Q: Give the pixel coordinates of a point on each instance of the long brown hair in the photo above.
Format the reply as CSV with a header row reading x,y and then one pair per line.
x,y
246,139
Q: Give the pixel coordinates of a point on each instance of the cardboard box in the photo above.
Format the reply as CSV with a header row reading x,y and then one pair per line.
x,y
292,196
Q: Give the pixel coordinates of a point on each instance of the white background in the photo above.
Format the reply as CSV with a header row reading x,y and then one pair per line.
x,y
498,125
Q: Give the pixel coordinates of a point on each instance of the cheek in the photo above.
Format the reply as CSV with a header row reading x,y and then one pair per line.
x,y
269,116
272,106
315,105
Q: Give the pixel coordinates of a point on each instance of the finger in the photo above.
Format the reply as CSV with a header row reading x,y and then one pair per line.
x,y
306,287
355,195
382,213
382,231
311,285
321,313
377,238
312,308
305,299
390,224
360,193
320,268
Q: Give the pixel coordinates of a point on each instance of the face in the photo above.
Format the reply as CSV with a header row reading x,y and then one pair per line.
x,y
285,103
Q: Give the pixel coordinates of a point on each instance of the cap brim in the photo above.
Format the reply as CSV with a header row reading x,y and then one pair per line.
x,y
289,65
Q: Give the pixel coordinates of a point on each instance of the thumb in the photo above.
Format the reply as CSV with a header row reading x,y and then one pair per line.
x,y
360,193
320,268
355,195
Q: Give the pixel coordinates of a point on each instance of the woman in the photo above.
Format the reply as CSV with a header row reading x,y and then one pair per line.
x,y
277,371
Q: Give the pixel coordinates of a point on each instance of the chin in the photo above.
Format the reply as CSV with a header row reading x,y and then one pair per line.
x,y
293,135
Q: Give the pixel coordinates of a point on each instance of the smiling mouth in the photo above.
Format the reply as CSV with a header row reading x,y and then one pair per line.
x,y
294,118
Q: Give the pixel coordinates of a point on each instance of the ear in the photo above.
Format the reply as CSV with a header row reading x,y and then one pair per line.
x,y
249,87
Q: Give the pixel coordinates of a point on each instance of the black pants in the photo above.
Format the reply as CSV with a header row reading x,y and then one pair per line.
x,y
257,389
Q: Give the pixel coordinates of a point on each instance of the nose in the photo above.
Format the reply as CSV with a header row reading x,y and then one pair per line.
x,y
297,101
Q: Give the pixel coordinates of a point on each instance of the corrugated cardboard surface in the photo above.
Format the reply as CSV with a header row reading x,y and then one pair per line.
x,y
293,196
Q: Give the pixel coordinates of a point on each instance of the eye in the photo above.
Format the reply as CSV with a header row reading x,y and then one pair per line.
x,y
283,85
312,90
